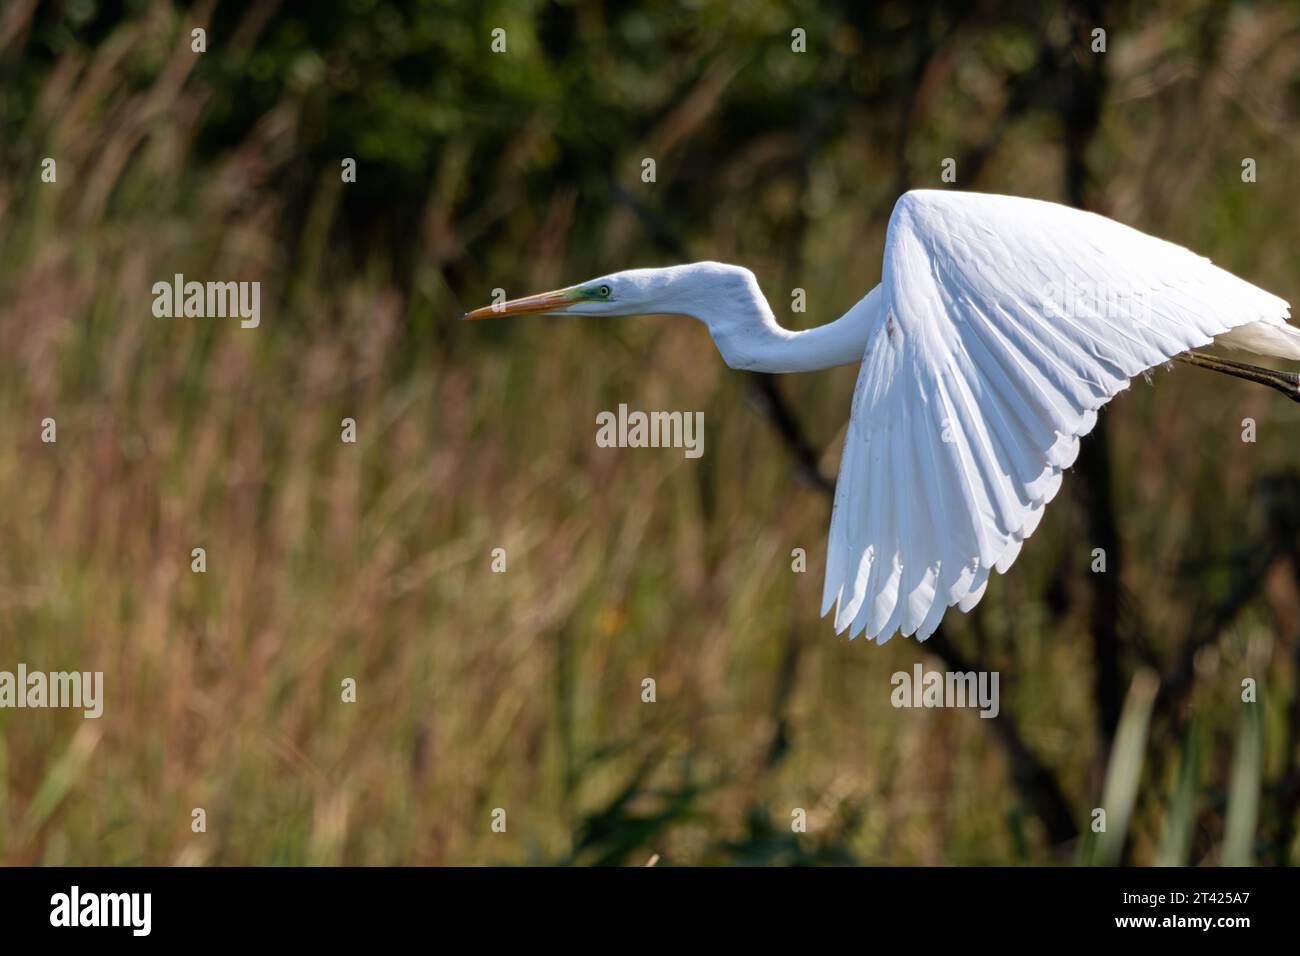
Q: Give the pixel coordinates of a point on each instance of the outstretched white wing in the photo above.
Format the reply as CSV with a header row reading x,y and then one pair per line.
x,y
1005,324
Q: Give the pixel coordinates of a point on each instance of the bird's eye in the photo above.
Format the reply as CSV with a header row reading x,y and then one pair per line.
x,y
603,292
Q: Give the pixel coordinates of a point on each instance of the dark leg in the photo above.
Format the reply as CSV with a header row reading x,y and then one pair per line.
x,y
1288,383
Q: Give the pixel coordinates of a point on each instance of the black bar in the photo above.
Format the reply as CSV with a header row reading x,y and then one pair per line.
x,y
546,906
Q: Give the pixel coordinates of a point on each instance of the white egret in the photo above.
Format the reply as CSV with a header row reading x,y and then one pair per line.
x,y
1000,326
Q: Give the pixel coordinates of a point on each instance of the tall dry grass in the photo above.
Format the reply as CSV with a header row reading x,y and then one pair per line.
x,y
522,690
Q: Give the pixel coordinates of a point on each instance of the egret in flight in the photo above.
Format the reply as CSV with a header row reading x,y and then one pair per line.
x,y
999,328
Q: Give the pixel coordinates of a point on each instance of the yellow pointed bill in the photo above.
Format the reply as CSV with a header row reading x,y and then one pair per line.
x,y
545,302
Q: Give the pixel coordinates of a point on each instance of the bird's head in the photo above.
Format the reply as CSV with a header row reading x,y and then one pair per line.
x,y
705,290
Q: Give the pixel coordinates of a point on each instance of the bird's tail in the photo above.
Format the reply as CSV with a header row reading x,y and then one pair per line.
x,y
1276,339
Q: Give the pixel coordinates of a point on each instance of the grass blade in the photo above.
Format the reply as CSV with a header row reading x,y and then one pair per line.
x,y
1125,769
1243,791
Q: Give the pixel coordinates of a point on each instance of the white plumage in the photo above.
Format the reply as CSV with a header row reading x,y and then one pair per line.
x,y
973,395
999,328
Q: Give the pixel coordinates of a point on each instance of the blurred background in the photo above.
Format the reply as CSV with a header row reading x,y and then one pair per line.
x,y
522,690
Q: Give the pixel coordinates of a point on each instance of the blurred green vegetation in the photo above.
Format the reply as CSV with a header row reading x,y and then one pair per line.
x,y
523,690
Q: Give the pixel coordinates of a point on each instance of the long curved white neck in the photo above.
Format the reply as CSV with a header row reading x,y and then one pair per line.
x,y
748,336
